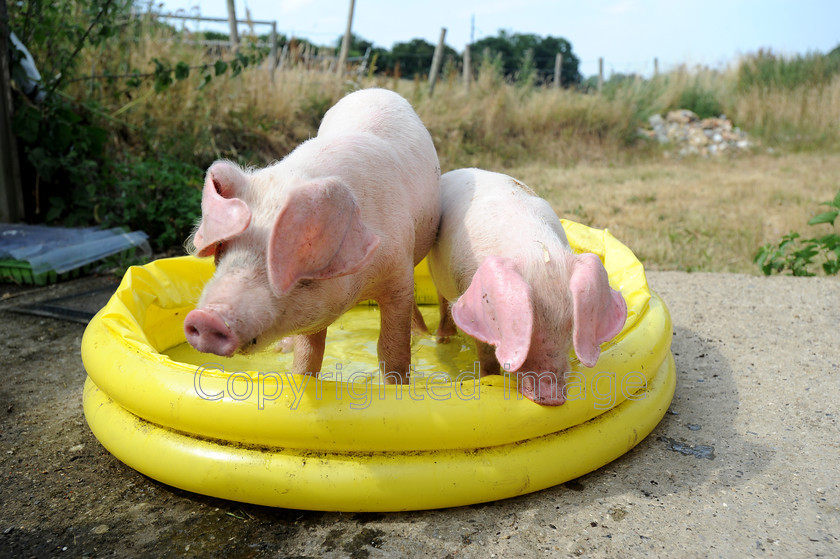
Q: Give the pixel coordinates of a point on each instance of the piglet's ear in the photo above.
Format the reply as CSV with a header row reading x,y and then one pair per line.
x,y
496,309
599,310
318,234
223,216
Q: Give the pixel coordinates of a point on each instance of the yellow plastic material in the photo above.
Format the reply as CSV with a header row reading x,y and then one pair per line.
x,y
244,428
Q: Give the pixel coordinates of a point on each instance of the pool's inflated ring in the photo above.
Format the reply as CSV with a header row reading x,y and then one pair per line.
x,y
245,429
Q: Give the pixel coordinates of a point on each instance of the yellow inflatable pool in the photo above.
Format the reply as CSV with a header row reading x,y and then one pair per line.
x,y
243,428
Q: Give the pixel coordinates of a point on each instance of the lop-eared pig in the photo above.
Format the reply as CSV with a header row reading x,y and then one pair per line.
x,y
503,258
343,218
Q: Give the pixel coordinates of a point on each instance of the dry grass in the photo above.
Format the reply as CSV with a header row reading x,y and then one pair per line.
x,y
806,115
505,125
695,214
577,150
246,118
496,123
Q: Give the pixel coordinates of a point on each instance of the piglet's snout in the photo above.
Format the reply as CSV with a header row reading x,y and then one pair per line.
x,y
207,332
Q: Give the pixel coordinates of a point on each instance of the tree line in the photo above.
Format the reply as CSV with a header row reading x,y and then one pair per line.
x,y
519,56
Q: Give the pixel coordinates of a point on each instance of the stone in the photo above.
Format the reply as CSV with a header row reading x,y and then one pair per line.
x,y
682,116
693,136
659,132
710,123
697,137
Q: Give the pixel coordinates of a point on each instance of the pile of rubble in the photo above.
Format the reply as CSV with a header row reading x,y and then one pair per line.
x,y
695,136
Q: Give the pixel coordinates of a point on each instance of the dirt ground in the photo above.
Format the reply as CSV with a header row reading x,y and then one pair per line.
x,y
744,464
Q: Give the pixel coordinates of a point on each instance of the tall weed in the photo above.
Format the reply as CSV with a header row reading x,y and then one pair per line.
x,y
765,70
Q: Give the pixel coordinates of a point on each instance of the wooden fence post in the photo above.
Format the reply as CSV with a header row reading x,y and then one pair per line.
x,y
272,53
436,61
11,194
467,69
283,54
234,31
363,66
600,74
345,43
558,69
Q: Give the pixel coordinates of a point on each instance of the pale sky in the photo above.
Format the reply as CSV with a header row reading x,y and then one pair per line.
x,y
628,34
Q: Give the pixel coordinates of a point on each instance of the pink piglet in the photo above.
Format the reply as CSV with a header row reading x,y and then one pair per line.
x,y
503,260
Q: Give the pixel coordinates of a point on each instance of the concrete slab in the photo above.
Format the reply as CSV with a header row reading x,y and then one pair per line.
x,y
744,464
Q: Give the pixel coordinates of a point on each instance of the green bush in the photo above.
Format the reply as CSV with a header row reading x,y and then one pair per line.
x,y
159,196
703,102
797,255
64,146
88,167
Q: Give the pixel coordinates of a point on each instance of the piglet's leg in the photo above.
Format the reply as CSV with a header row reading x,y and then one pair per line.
x,y
309,352
487,359
394,346
418,323
446,328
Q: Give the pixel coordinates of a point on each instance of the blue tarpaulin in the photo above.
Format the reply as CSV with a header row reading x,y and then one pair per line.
x,y
62,249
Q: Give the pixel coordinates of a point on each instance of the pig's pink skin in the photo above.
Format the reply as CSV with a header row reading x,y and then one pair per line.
x,y
222,217
372,144
206,331
495,229
496,309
